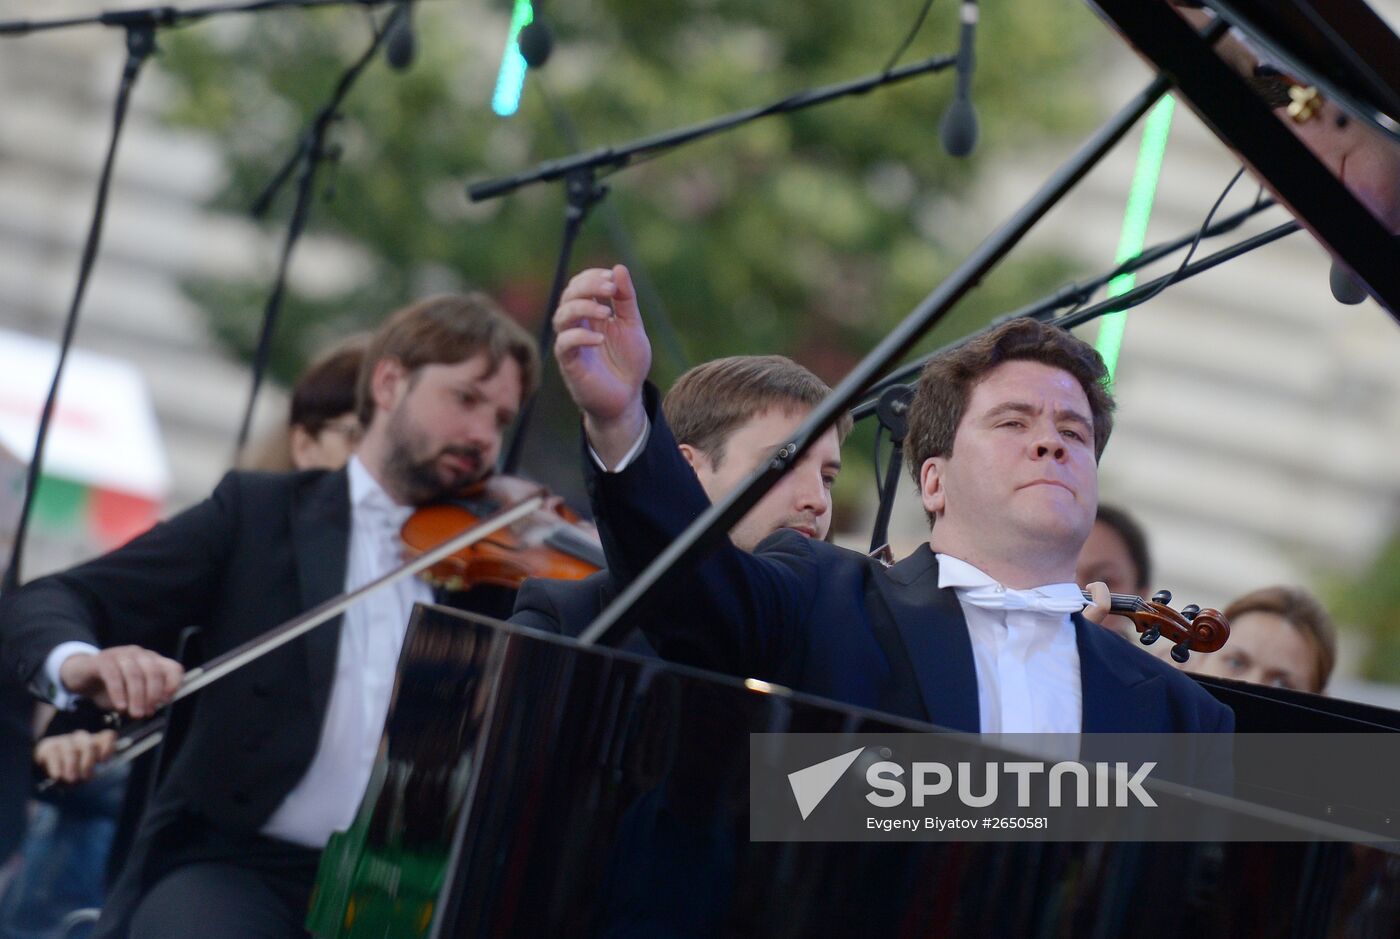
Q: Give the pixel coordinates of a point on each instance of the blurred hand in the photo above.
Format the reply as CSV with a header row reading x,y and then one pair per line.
x,y
72,758
129,679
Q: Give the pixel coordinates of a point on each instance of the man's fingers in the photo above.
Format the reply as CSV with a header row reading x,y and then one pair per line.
x,y
130,679
577,338
110,674
49,758
103,743
173,673
625,296
579,311
67,762
83,753
1097,610
593,283
138,701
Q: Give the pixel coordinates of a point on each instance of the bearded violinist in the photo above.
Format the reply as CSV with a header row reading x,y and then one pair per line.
x,y
276,757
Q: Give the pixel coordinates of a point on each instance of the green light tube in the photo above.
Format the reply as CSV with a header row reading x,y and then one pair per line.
x,y
510,81
1135,218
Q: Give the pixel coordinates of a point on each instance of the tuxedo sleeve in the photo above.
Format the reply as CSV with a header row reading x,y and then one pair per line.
x,y
143,593
732,611
535,607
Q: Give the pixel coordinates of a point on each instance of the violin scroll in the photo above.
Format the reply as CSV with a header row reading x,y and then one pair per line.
x,y
1191,629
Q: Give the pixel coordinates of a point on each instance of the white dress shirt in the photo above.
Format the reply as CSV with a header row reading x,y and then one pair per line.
x,y
326,798
1024,648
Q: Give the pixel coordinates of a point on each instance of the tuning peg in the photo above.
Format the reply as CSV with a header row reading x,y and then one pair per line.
x,y
1181,652
1150,635
1190,610
1162,596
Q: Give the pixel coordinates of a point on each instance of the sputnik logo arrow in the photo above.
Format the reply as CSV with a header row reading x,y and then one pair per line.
x,y
810,785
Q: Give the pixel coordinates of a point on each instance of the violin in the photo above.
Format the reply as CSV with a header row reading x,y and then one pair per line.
x,y
552,542
1191,629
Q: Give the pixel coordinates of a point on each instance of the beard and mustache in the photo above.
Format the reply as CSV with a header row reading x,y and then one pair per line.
x,y
421,478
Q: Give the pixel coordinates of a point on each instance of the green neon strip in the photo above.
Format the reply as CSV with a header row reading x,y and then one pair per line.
x,y
1135,218
510,81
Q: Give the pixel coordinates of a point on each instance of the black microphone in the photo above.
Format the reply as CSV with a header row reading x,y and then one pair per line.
x,y
536,43
401,46
959,128
1345,287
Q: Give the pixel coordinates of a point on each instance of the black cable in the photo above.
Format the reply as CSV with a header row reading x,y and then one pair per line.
x,y
1164,284
909,37
310,153
1147,291
1073,296
140,43
1080,316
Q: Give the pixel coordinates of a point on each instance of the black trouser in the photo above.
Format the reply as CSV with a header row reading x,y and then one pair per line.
x,y
230,888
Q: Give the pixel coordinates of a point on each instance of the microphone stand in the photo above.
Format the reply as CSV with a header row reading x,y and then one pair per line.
x,y
140,43
310,153
893,411
168,15
582,191
140,26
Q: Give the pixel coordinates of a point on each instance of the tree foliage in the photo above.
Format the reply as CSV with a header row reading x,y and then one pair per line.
x,y
810,234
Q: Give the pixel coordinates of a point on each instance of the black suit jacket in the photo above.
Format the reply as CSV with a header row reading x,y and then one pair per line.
x,y
260,550
833,622
568,606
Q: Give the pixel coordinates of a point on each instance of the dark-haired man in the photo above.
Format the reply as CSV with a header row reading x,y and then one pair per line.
x,y
277,755
727,416
979,629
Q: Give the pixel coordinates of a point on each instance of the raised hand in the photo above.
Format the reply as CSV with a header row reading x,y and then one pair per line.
x,y
604,356
129,679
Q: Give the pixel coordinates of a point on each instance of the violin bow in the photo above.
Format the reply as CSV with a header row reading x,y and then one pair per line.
x,y
149,733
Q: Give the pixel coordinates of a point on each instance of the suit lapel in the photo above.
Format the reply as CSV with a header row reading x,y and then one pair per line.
x,y
1119,694
321,535
930,625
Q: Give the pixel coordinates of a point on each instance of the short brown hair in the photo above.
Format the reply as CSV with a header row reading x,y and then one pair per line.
x,y
1305,613
709,402
326,390
444,331
947,380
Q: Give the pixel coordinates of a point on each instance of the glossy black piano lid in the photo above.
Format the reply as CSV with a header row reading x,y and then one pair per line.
x,y
1263,710
610,799
1235,113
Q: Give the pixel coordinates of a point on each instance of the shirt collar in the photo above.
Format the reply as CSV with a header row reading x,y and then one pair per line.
x,y
957,573
366,493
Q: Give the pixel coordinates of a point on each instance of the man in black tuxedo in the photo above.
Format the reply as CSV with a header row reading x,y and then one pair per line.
x,y
727,416
979,629
277,755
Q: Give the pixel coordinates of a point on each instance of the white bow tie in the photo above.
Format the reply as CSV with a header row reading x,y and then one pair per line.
x,y
997,597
